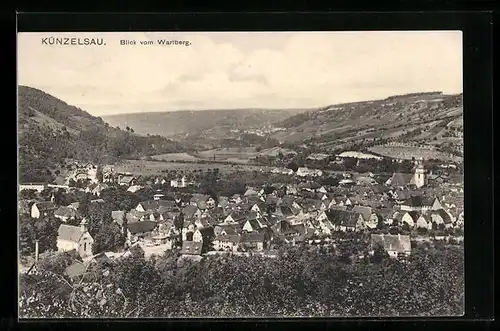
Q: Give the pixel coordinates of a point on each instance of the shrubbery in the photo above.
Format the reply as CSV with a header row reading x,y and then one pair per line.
x,y
299,282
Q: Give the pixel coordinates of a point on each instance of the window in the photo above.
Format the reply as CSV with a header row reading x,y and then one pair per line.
x,y
85,247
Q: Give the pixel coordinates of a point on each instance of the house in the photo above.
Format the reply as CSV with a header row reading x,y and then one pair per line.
x,y
252,241
134,216
39,187
288,230
363,180
74,205
304,171
259,207
346,182
318,157
227,242
191,212
179,182
191,248
44,208
127,180
252,225
423,222
226,229
144,206
394,245
235,198
229,219
251,192
223,202
140,230
410,218
158,196
345,220
160,181
283,212
77,238
98,189
400,196
134,188
65,213
422,204
292,190
370,218
86,171
118,216
284,171
202,201
442,218
332,203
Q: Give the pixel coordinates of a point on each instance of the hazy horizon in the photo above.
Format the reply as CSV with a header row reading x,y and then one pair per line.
x,y
228,70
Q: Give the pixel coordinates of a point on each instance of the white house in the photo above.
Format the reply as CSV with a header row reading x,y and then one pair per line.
x,y
394,245
75,238
178,182
226,242
304,171
39,187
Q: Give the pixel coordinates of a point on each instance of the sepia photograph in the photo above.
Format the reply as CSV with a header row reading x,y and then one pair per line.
x,y
240,174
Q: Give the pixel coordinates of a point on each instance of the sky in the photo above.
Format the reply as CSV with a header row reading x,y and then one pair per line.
x,y
228,70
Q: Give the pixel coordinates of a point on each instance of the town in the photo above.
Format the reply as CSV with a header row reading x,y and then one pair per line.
x,y
406,208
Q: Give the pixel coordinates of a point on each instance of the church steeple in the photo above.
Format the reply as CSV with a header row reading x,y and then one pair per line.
x,y
420,174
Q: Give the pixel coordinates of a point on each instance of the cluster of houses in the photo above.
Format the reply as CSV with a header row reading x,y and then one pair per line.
x,y
260,217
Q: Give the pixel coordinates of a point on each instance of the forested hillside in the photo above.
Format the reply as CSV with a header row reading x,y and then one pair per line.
x,y
51,130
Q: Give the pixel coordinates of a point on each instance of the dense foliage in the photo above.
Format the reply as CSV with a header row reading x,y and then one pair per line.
x,y
43,229
300,281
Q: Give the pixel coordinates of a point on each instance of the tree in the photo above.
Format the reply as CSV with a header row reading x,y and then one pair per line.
x,y
84,205
108,238
43,229
268,189
99,174
293,166
99,215
28,194
379,255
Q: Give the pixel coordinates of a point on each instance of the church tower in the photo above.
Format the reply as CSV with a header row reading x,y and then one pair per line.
x,y
420,177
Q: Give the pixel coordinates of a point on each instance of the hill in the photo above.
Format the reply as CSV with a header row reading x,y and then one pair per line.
x,y
193,122
50,130
431,119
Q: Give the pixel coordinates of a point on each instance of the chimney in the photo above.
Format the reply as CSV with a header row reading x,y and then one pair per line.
x,y
36,251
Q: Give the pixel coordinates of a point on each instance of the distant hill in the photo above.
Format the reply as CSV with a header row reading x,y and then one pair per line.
x,y
193,122
50,130
430,118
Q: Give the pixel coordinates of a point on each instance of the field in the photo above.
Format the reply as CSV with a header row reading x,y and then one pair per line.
x,y
407,153
233,155
175,157
147,168
237,155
